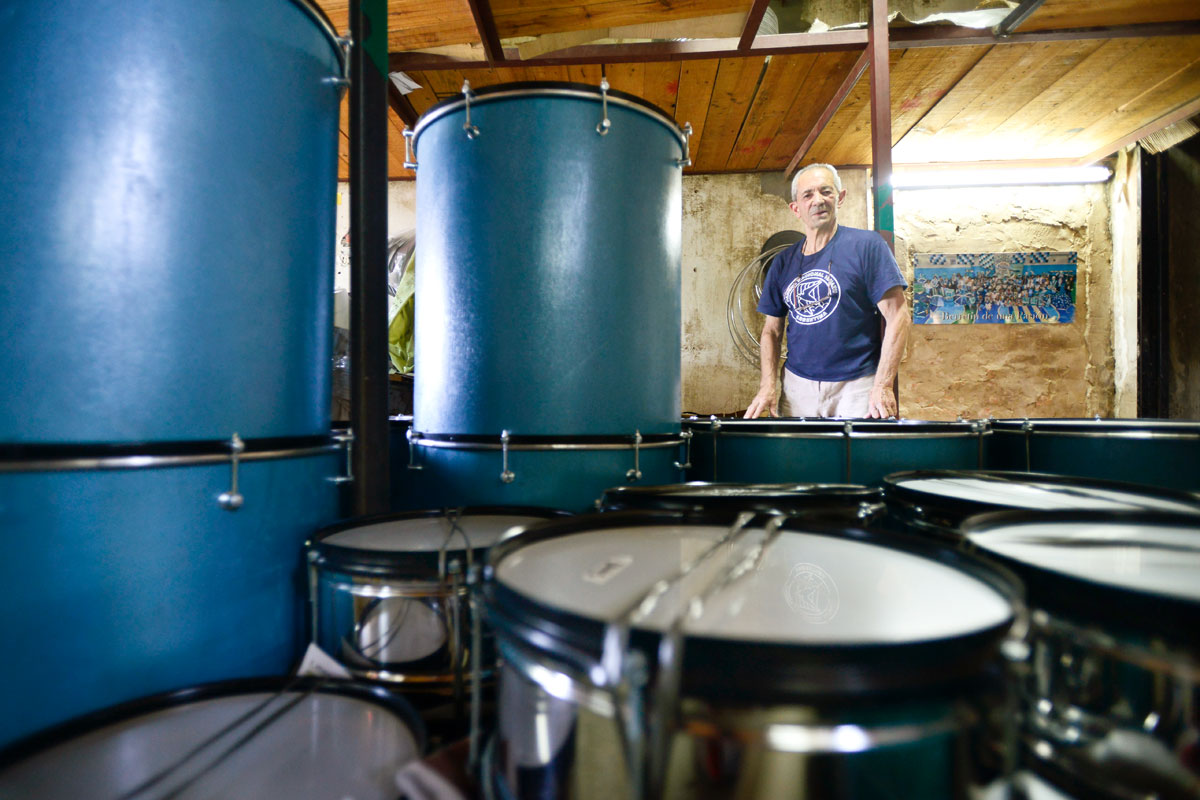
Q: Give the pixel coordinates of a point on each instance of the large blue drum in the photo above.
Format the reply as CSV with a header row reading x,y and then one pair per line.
x,y
548,296
1155,452
169,180
128,571
829,450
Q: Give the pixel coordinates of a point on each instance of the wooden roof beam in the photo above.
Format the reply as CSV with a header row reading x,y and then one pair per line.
x,y
401,105
485,23
783,44
1178,115
831,108
1017,16
753,22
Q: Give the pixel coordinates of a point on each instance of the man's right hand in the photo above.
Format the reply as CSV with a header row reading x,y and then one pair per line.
x,y
765,400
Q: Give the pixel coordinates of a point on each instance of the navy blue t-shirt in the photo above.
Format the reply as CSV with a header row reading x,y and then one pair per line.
x,y
830,301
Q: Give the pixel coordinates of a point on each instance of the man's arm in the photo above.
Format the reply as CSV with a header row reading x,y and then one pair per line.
x,y
768,359
895,310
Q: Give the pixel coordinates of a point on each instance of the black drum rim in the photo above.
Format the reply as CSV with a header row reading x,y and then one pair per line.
x,y
1101,427
760,671
1133,611
523,89
955,510
360,560
785,498
64,732
826,426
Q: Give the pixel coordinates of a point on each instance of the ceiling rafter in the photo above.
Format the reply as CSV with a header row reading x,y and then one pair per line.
x,y
784,44
485,23
753,23
1178,115
831,108
1017,16
401,105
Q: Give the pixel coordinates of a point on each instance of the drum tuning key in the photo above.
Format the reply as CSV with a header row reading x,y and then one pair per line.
x,y
686,161
506,474
346,440
233,499
605,123
345,44
687,455
472,131
635,474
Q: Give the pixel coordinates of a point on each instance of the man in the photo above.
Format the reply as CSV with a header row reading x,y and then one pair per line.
x,y
824,291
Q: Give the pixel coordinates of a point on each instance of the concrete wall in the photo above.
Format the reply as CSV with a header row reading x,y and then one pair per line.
x,y
948,371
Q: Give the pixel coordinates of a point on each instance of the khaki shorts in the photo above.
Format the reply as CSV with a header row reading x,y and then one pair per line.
x,y
804,398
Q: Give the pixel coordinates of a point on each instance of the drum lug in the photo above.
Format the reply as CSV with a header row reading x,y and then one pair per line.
x,y
233,499
412,436
345,43
635,474
506,474
410,161
605,123
346,439
687,455
686,161
471,130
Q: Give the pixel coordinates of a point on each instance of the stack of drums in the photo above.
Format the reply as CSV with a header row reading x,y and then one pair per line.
x,y
682,655
829,450
548,298
1109,691
164,452
1149,451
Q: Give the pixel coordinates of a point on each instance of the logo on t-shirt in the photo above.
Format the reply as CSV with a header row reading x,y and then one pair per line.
x,y
813,296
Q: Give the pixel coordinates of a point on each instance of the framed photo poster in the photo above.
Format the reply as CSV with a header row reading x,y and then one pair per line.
x,y
994,288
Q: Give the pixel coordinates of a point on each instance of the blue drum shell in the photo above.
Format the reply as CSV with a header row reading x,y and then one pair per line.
x,y
548,278
123,582
169,193
573,480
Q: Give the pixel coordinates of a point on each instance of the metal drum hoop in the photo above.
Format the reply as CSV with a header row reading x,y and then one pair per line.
x,y
341,45
562,89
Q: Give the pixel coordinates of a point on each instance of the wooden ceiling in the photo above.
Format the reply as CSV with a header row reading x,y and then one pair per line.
x,y
1074,82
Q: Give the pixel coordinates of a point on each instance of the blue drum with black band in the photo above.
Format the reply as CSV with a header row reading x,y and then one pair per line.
x,y
568,472
1154,452
1109,688
259,739
860,451
163,202
146,569
686,655
389,592
937,502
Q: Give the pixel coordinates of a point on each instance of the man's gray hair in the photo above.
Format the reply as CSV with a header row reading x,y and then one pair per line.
x,y
837,179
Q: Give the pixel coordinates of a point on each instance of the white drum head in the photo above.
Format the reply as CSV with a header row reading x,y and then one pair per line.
x,y
1156,559
1044,495
266,747
808,589
430,534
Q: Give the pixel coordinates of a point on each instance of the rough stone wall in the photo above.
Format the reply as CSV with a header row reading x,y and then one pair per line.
x,y
1011,370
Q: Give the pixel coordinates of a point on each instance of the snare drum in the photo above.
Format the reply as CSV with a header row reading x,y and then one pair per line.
x,y
836,502
829,450
1155,452
938,501
389,594
1110,688
271,739
761,659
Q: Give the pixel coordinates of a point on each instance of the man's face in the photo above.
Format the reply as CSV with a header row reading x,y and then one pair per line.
x,y
817,199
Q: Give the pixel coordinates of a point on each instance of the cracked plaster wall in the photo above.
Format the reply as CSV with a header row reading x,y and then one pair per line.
x,y
1011,370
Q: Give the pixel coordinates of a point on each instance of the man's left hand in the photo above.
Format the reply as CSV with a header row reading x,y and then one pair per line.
x,y
882,404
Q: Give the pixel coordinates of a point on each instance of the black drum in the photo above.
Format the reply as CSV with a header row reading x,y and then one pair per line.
x,y
268,739
389,593
1110,686
838,502
770,657
937,502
